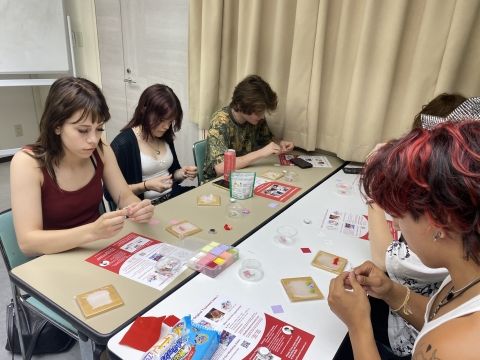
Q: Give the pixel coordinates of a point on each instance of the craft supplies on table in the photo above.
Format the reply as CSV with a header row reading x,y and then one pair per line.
x,y
213,258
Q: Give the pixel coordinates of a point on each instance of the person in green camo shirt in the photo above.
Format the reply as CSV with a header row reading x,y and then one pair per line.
x,y
242,126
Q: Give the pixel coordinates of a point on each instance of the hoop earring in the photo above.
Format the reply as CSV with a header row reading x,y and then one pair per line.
x,y
437,235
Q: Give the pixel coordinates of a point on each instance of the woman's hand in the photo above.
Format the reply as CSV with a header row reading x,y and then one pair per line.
x,y
159,183
140,212
186,172
373,280
109,224
348,300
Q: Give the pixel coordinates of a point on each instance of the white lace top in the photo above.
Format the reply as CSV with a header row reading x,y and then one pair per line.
x,y
404,267
156,167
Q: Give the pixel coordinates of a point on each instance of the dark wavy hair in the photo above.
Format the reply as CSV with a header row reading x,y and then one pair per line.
x,y
253,95
158,102
442,105
67,95
435,173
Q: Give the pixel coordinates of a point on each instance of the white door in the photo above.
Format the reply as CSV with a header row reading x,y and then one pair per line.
x,y
143,42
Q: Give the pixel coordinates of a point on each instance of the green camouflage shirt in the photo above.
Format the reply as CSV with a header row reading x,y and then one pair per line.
x,y
225,133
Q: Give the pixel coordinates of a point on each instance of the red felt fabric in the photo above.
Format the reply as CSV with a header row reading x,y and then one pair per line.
x,y
144,333
171,320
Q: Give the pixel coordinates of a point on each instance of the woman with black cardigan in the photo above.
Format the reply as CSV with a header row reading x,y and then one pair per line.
x,y
144,148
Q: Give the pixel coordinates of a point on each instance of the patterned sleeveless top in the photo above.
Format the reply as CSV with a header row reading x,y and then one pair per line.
x,y
63,209
404,266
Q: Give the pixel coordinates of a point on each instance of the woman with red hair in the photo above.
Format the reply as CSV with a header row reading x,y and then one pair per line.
x,y
430,181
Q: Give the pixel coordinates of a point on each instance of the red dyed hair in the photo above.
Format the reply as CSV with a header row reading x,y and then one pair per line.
x,y
435,173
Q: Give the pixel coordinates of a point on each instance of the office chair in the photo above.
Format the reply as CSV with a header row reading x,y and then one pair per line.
x,y
199,151
13,257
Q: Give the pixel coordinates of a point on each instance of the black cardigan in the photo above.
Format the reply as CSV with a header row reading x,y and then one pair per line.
x,y
127,152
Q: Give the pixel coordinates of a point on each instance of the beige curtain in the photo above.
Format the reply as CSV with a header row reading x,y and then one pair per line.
x,y
349,73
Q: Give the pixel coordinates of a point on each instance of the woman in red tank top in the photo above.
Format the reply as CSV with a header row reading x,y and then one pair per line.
x,y
57,182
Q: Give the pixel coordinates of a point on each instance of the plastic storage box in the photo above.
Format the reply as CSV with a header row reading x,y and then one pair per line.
x,y
213,258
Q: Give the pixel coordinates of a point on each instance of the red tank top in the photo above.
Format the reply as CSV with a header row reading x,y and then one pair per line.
x,y
63,209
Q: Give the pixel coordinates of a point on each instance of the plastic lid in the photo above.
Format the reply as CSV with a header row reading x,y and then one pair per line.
x,y
263,351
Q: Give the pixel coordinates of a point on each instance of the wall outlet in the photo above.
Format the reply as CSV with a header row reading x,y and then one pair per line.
x,y
18,130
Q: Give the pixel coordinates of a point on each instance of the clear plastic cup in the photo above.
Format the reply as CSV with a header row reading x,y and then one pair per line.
x,y
234,209
251,270
290,176
263,353
286,235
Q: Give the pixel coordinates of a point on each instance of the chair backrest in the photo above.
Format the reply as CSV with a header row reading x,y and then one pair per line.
x,y
11,253
12,257
199,151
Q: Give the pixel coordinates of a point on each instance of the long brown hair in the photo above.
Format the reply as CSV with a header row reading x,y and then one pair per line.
x,y
67,95
157,102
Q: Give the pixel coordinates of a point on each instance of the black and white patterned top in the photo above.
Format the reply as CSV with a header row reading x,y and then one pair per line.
x,y
404,267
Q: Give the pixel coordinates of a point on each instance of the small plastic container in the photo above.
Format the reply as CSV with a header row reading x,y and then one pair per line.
x,y
286,235
213,258
234,209
263,353
251,270
291,176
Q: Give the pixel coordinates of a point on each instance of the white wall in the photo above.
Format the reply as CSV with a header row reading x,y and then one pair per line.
x,y
24,105
82,14
17,108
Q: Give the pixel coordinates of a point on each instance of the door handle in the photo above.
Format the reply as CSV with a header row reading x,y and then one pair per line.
x,y
129,80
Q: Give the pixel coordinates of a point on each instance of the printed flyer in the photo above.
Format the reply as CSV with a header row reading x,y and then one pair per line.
x,y
144,260
276,191
346,223
317,161
244,330
352,224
